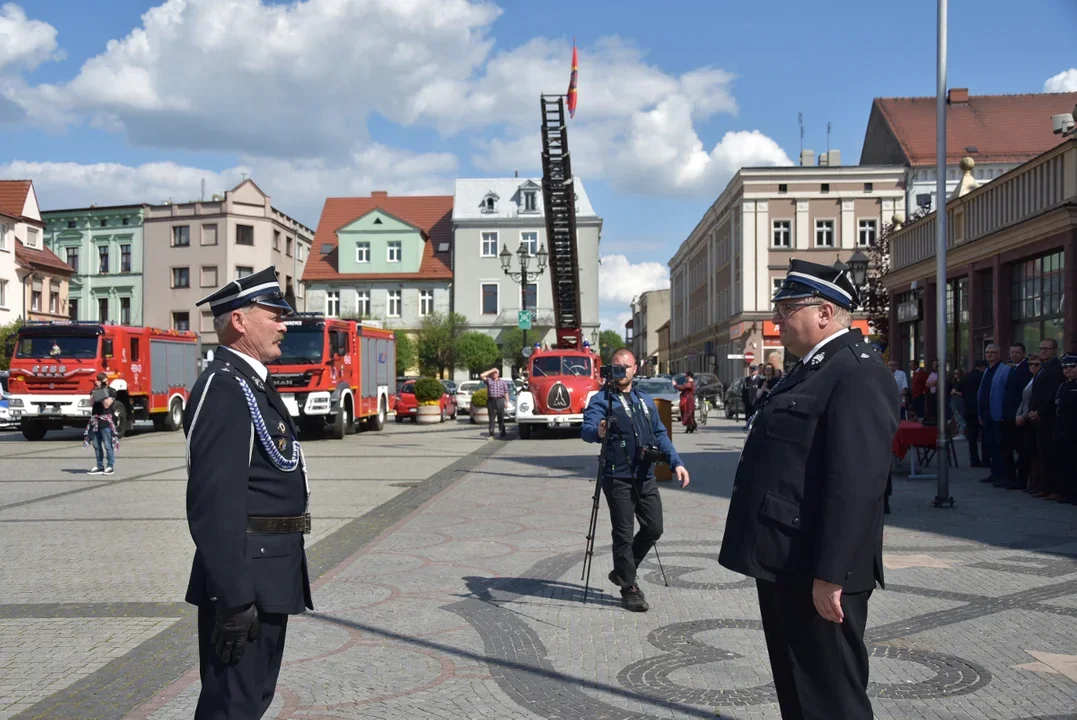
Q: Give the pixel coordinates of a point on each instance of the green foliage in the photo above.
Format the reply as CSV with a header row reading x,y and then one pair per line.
x,y
428,391
608,342
405,352
875,296
8,336
479,398
512,344
436,341
476,351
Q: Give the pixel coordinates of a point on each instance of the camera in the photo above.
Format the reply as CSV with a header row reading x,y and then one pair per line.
x,y
650,454
613,372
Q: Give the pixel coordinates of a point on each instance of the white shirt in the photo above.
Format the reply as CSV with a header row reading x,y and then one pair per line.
x,y
827,339
901,380
260,370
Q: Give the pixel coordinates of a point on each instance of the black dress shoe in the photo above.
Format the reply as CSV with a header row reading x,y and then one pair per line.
x,y
988,479
886,506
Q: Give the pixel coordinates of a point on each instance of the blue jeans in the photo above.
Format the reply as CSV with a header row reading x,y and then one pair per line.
x,y
102,445
992,444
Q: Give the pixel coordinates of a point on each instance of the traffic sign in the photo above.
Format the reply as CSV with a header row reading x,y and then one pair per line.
x,y
524,319
749,357
734,356
526,352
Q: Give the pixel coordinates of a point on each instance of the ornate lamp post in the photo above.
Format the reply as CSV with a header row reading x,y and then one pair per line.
x,y
524,276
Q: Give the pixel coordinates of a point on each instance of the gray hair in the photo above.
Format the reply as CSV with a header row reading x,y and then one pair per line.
x,y
996,346
221,323
843,317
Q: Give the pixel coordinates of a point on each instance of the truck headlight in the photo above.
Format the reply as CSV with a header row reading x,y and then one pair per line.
x,y
15,402
524,407
86,402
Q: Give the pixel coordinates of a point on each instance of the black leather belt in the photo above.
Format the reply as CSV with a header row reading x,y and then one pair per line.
x,y
279,524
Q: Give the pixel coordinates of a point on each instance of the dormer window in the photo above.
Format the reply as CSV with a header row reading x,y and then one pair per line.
x,y
530,201
489,203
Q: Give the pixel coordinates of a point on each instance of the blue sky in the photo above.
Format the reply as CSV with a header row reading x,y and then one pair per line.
x,y
102,102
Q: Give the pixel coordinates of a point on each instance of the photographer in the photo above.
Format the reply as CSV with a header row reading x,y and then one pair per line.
x,y
101,430
637,440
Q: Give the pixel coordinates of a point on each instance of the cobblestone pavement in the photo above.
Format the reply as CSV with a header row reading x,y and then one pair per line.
x,y
461,597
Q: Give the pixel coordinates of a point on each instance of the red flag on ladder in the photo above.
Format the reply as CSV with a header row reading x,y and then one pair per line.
x,y
572,81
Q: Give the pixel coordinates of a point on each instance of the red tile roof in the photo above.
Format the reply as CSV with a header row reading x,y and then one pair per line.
x,y
13,198
432,214
44,259
1002,128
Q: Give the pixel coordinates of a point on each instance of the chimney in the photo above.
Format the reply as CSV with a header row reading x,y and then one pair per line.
x,y
835,158
516,173
957,95
807,157
379,194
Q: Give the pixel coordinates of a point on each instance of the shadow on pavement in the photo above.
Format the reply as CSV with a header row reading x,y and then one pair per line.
x,y
483,588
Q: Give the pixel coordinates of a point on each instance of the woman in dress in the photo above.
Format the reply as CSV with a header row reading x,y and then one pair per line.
x,y
688,402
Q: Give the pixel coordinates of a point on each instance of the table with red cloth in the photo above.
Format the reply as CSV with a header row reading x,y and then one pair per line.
x,y
913,435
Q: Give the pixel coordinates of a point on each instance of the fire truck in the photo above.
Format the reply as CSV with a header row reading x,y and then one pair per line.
x,y
334,375
562,380
56,364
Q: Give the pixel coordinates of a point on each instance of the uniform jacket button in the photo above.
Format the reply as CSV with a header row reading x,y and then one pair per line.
x,y
263,551
796,520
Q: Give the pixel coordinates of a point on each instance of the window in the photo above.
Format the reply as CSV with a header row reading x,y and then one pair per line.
x,y
783,188
393,251
125,258
782,230
31,238
181,277
102,310
362,252
530,241
54,301
181,236
362,303
776,285
127,221
244,235
104,223
102,254
72,307
288,247
824,233
243,271
866,232
35,301
70,224
529,296
73,258
489,244
869,187
824,187
489,299
426,302
209,234
1036,291
394,298
181,321
125,314
332,303
3,236
276,240
489,204
531,201
209,276
136,355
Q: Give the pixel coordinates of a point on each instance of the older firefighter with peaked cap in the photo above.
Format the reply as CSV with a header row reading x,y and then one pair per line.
x,y
806,510
247,497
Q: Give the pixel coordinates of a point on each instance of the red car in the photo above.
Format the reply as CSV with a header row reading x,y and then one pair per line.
x,y
407,406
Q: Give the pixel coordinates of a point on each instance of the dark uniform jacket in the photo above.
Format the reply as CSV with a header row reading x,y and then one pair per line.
x,y
807,501
230,476
1044,389
1065,429
620,460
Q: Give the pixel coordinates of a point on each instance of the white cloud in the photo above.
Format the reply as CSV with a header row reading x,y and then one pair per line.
x,y
1065,81
620,280
23,42
615,322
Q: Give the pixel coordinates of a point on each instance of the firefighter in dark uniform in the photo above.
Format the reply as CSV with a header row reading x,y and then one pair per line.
x,y
1065,433
806,511
247,497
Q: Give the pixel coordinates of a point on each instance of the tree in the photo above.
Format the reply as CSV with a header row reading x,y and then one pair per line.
x,y
405,352
512,344
875,297
436,341
476,351
608,342
8,335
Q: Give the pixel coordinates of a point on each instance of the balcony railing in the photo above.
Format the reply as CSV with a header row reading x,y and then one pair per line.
x,y
1032,189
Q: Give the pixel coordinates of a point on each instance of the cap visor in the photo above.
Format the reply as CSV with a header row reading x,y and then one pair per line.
x,y
276,303
791,294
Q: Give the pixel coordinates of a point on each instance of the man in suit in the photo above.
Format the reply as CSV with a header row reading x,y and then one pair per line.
x,y
247,497
806,510
989,398
1041,416
1019,377
970,384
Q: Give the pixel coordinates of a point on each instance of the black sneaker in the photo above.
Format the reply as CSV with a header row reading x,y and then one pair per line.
x,y
633,600
615,578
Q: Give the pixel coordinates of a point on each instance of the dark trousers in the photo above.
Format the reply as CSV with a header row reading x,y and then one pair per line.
x,y
972,434
1007,446
244,690
1048,456
1065,483
496,409
992,452
820,668
628,499
1027,461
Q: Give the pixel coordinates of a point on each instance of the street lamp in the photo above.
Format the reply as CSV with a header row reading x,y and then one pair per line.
x,y
858,268
524,276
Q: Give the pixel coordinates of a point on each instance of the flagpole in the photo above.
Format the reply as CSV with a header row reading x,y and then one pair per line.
x,y
942,453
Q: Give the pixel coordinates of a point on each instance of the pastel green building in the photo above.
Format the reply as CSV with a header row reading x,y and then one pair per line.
x,y
379,243
105,247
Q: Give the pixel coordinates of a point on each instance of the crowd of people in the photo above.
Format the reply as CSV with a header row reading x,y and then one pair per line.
x,y
1019,418
761,380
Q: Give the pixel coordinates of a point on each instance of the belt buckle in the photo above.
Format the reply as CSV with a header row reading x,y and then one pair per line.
x,y
306,523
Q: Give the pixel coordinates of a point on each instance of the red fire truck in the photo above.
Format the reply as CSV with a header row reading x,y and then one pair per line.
x,y
335,374
562,380
56,363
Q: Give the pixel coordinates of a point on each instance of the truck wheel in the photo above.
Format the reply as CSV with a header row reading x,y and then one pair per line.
x,y
525,431
377,423
174,419
338,429
34,431
351,425
120,418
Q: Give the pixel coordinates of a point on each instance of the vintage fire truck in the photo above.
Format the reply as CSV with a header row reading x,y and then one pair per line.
x,y
55,366
334,375
562,380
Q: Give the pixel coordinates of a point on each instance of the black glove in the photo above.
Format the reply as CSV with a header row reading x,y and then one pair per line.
x,y
232,629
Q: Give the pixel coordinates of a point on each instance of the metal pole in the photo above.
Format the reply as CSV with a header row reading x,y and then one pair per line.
x,y
942,494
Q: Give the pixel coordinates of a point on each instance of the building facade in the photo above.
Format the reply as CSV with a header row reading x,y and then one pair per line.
x,y
725,273
1000,132
489,215
20,222
650,311
44,281
104,245
194,247
663,348
382,258
1011,266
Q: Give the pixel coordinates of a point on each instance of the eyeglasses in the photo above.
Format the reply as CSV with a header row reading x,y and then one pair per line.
x,y
784,311
1034,364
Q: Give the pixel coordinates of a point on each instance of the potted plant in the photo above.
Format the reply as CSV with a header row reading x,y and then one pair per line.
x,y
428,392
479,413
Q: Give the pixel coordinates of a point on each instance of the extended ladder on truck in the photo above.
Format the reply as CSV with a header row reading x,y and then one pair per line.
x,y
559,196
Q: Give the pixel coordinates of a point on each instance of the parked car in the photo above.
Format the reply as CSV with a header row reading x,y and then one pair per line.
x,y
450,386
407,406
734,402
464,393
661,389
